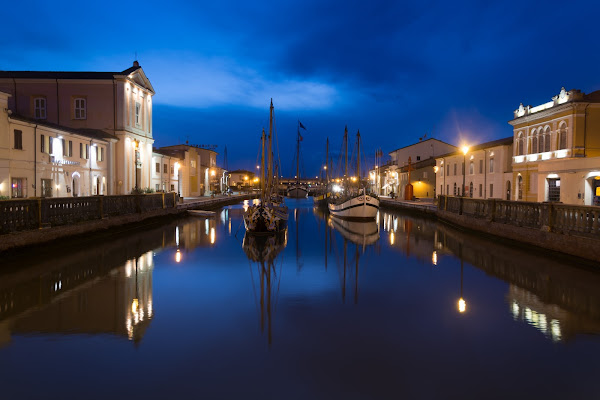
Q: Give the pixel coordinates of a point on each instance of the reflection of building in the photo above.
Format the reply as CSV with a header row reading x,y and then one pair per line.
x,y
197,232
559,301
92,301
414,237
556,155
487,171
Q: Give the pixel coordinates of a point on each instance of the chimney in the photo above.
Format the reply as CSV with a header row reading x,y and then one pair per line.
x,y
136,63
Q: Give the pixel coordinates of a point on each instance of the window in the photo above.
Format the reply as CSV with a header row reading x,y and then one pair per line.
x,y
70,149
42,143
562,138
447,189
491,165
454,168
39,108
480,190
441,189
84,151
424,175
165,168
520,188
46,187
534,143
19,187
158,168
491,190
81,150
418,158
547,139
51,145
193,163
101,153
447,170
554,189
80,108
471,190
471,168
138,110
157,186
172,170
520,144
481,166
172,188
455,186
87,151
18,139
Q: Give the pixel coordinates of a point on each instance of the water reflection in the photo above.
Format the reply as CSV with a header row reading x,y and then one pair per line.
x,y
263,251
558,300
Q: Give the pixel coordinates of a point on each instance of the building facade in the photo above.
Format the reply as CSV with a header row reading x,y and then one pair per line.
x,y
485,170
199,173
556,155
116,103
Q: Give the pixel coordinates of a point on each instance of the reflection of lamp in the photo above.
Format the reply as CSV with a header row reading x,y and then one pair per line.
x,y
178,256
135,303
462,304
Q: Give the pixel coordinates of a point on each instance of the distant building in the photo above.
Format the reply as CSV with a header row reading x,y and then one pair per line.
x,y
241,178
166,173
199,172
556,155
488,172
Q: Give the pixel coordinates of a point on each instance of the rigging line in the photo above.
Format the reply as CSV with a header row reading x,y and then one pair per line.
x,y
278,285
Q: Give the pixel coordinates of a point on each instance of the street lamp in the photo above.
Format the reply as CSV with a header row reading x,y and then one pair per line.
x,y
465,150
135,143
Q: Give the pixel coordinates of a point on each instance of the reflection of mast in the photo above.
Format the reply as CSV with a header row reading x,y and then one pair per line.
x,y
408,229
344,284
356,277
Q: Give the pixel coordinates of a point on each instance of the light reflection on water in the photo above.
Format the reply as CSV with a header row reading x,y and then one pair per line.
x,y
365,299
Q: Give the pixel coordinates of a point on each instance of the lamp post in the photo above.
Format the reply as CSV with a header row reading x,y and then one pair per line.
x,y
465,150
136,158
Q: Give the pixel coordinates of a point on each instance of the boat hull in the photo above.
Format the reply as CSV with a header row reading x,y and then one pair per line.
x,y
321,200
297,192
265,220
359,207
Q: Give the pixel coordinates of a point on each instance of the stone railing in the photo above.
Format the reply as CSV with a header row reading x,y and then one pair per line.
x,y
552,217
27,214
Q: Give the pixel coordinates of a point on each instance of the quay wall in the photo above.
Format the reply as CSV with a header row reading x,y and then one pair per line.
x,y
36,221
568,229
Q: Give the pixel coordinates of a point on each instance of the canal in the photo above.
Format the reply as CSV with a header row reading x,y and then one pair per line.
x,y
404,307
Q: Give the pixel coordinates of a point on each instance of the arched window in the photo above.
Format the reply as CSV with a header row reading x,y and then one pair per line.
x,y
547,139
520,144
534,143
520,188
562,137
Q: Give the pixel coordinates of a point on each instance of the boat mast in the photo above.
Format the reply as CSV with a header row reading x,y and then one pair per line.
x,y
262,173
298,156
358,156
346,151
270,152
326,165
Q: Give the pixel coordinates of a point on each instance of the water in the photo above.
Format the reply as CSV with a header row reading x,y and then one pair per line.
x,y
174,309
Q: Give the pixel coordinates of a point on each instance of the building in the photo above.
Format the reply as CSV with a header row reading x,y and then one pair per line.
x,y
166,173
556,155
488,171
241,178
42,159
392,176
199,173
116,103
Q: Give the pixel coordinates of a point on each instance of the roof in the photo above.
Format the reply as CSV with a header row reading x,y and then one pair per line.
x,y
188,146
169,152
423,141
430,162
96,134
65,74
486,145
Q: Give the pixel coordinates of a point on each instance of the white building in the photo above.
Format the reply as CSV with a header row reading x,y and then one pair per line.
x,y
488,171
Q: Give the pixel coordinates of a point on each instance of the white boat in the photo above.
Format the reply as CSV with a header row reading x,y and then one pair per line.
x,y
355,203
358,207
363,233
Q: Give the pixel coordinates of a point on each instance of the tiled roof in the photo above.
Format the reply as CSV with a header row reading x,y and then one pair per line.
x,y
97,134
64,75
486,145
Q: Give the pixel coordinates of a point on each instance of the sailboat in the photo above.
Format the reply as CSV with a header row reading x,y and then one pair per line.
x,y
270,214
321,199
354,202
297,190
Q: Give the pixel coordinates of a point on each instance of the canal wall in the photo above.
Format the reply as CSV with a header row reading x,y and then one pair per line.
x,y
568,229
30,222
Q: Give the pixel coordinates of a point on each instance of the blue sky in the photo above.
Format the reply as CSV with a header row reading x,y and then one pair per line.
x,y
395,70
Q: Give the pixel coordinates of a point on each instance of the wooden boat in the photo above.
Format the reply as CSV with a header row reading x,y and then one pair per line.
x,y
354,202
270,214
298,190
202,213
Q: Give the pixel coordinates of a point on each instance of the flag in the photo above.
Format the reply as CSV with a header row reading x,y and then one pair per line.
x,y
301,138
300,125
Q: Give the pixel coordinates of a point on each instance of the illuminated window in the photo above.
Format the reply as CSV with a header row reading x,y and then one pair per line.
x,y
80,108
562,137
138,110
491,165
39,108
19,187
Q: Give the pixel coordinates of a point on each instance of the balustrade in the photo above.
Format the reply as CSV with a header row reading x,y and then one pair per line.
x,y
26,214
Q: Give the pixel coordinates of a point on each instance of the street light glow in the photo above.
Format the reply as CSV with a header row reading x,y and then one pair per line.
x,y
465,150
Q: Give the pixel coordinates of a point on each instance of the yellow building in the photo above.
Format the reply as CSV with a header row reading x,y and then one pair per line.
x,y
556,152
